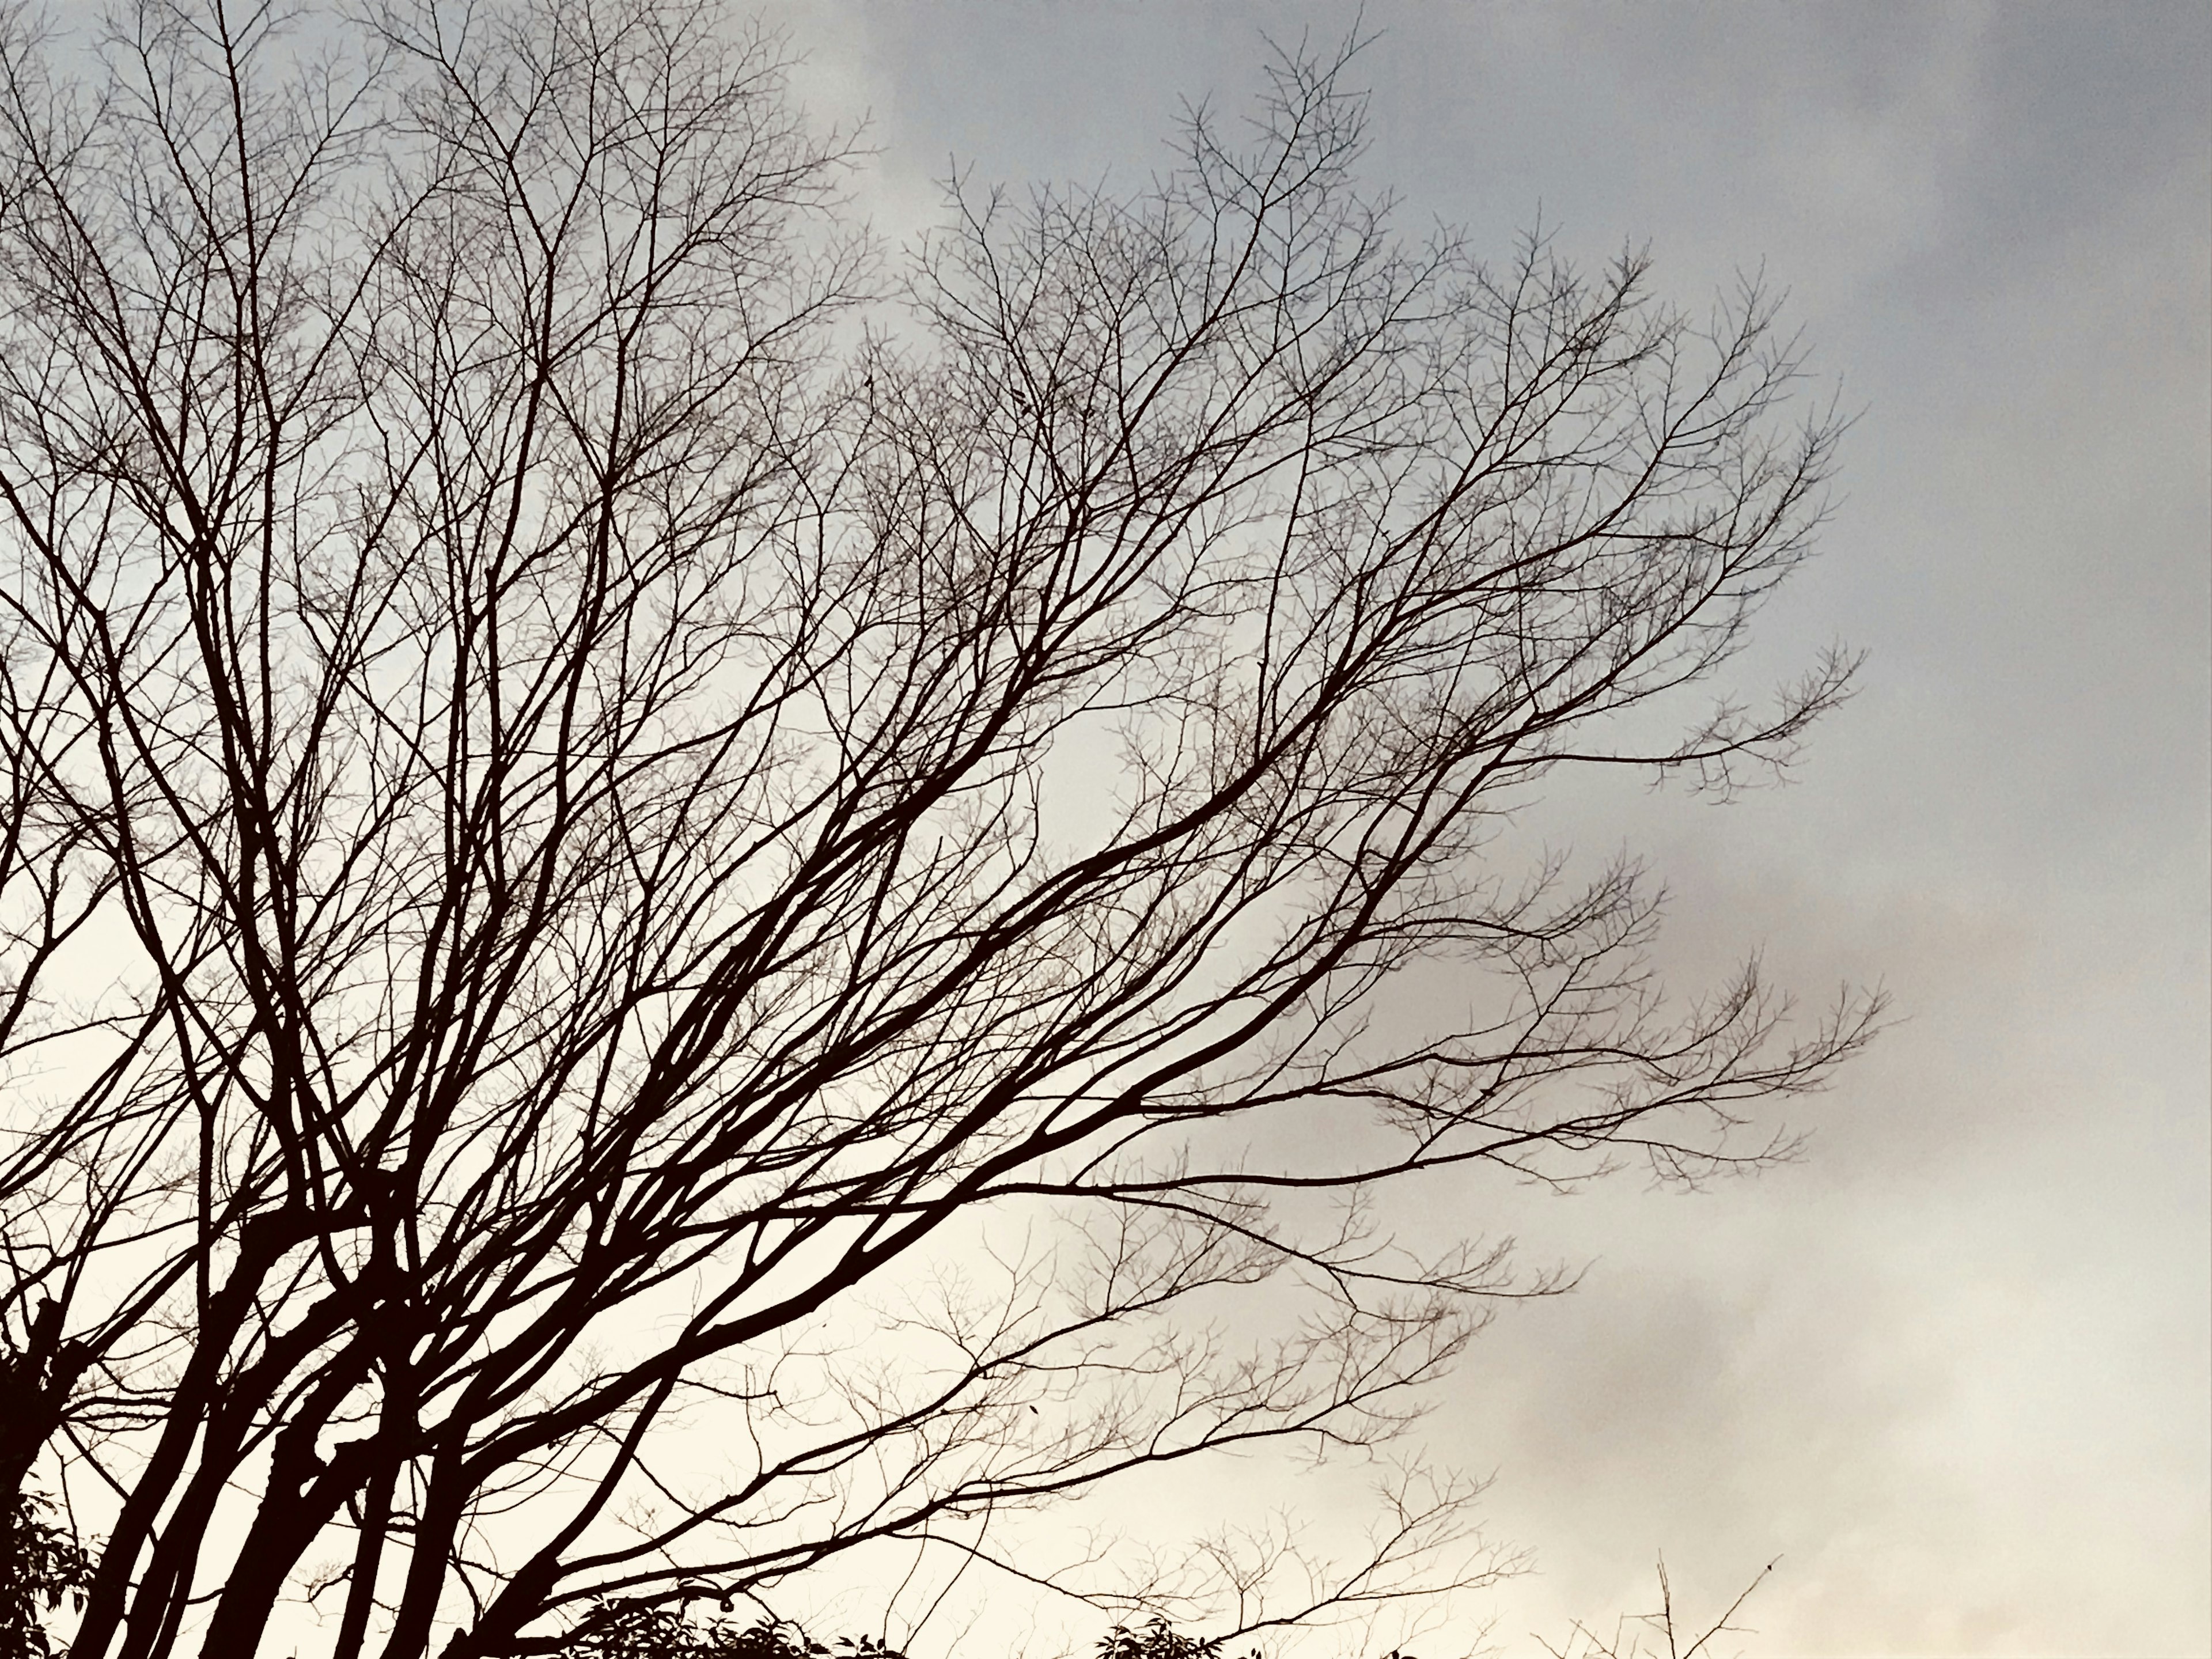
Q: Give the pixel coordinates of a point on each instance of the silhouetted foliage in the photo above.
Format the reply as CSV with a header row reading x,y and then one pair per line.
x,y
1159,1640
631,1633
42,1565
666,1633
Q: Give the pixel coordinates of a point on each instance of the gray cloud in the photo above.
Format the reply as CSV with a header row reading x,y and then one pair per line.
x,y
1955,1365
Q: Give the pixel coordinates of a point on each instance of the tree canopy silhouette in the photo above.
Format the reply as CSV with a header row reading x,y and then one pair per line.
x,y
678,894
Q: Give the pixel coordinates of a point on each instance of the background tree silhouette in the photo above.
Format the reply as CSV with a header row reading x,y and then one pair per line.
x,y
678,898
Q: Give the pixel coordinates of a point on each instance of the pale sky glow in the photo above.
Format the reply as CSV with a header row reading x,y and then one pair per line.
x,y
1953,1367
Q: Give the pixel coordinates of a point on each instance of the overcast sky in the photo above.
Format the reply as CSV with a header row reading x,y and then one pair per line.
x,y
1953,1367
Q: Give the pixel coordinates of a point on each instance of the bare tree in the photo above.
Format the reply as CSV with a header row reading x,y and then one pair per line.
x,y
1658,1626
676,901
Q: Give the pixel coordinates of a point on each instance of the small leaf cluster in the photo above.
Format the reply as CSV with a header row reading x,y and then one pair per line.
x,y
663,1632
42,1565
